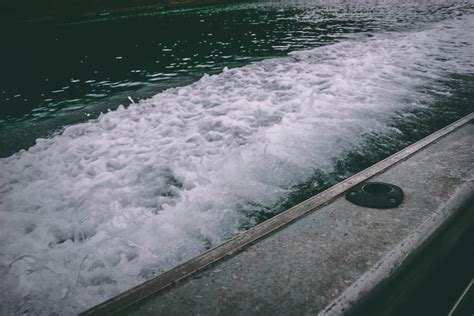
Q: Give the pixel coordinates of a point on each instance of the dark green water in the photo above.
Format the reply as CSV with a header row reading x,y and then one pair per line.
x,y
58,74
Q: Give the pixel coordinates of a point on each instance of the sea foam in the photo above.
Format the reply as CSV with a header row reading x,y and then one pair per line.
x,y
112,202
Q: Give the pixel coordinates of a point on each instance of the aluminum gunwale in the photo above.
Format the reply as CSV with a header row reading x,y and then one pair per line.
x,y
239,242
406,249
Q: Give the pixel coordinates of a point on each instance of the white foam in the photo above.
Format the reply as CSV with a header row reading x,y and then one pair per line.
x,y
110,203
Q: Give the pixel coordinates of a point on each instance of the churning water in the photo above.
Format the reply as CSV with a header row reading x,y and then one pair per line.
x,y
245,110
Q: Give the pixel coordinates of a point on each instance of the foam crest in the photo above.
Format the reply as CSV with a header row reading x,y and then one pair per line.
x,y
110,203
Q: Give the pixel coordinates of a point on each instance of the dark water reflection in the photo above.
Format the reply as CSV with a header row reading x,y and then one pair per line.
x,y
57,74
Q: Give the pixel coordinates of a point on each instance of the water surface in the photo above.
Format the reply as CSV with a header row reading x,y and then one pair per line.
x,y
238,113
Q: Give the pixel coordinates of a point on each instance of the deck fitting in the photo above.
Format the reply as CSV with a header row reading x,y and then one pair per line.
x,y
375,195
